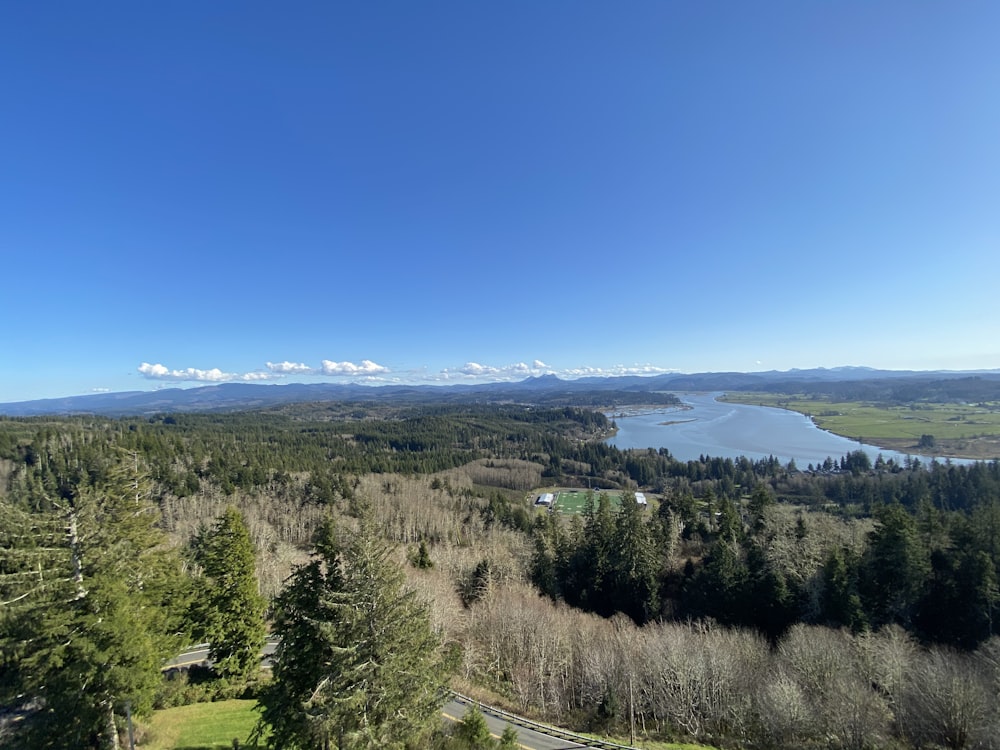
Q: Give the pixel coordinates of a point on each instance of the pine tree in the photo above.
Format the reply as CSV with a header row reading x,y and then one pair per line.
x,y
305,652
508,740
636,587
358,665
473,732
593,564
840,603
231,608
88,633
894,569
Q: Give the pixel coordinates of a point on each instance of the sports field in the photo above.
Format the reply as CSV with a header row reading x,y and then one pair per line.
x,y
570,501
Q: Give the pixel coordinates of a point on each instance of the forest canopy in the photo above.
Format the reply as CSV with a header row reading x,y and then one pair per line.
x,y
752,560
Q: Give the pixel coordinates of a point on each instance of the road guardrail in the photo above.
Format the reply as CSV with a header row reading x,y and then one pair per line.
x,y
548,729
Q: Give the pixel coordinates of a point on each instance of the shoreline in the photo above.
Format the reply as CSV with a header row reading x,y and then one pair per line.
x,y
945,448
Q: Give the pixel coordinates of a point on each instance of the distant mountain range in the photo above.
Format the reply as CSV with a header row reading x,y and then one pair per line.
x,y
851,383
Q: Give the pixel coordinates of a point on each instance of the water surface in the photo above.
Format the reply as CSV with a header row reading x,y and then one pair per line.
x,y
708,427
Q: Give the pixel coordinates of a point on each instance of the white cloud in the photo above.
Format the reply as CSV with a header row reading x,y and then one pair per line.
x,y
259,375
520,370
366,368
374,373
193,374
614,371
297,368
477,371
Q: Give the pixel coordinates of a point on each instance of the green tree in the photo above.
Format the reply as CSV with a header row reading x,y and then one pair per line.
x,y
840,603
358,665
719,588
635,568
306,650
422,557
230,609
508,740
729,523
473,732
86,638
894,568
594,559
759,502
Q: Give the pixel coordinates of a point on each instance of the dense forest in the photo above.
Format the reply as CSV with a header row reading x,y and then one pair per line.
x,y
753,604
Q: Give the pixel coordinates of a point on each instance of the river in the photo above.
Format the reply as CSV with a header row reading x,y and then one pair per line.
x,y
705,426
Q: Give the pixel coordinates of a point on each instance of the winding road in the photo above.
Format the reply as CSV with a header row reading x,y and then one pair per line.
x,y
530,735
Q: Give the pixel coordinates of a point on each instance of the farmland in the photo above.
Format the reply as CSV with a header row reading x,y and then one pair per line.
x,y
958,430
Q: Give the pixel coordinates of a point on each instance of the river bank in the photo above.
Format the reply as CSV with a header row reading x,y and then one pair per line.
x,y
941,431
726,429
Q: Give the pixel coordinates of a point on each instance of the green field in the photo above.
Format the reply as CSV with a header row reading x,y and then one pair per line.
x,y
960,430
571,501
201,726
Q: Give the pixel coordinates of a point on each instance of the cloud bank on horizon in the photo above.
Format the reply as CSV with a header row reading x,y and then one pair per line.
x,y
367,371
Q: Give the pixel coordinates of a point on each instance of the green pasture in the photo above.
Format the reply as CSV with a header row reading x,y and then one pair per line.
x,y
201,726
855,419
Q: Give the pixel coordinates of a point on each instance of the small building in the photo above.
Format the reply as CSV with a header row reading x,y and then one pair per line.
x,y
545,498
640,499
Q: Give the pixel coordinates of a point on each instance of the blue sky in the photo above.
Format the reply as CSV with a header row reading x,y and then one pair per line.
x,y
453,191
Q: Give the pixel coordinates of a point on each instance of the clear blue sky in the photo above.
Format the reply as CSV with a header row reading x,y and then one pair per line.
x,y
443,191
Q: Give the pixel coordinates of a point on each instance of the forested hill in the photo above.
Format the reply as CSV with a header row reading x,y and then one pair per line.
x,y
748,604
851,383
544,391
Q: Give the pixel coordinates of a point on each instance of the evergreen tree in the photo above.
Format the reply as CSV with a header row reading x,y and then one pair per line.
x,y
636,587
729,523
840,603
508,740
231,609
719,588
422,557
894,569
306,651
358,665
86,638
473,732
771,603
760,501
593,564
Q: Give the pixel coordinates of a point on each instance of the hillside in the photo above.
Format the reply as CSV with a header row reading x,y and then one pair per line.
x,y
844,383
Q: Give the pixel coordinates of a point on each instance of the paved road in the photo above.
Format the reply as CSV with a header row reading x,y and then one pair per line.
x,y
453,710
199,655
527,738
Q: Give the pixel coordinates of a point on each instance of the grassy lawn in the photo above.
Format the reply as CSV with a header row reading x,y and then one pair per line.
x,y
570,501
961,430
201,726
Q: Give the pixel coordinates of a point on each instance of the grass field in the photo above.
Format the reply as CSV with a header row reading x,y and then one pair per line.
x,y
571,501
960,430
201,726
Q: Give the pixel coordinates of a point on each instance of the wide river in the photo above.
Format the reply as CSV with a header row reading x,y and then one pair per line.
x,y
708,427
